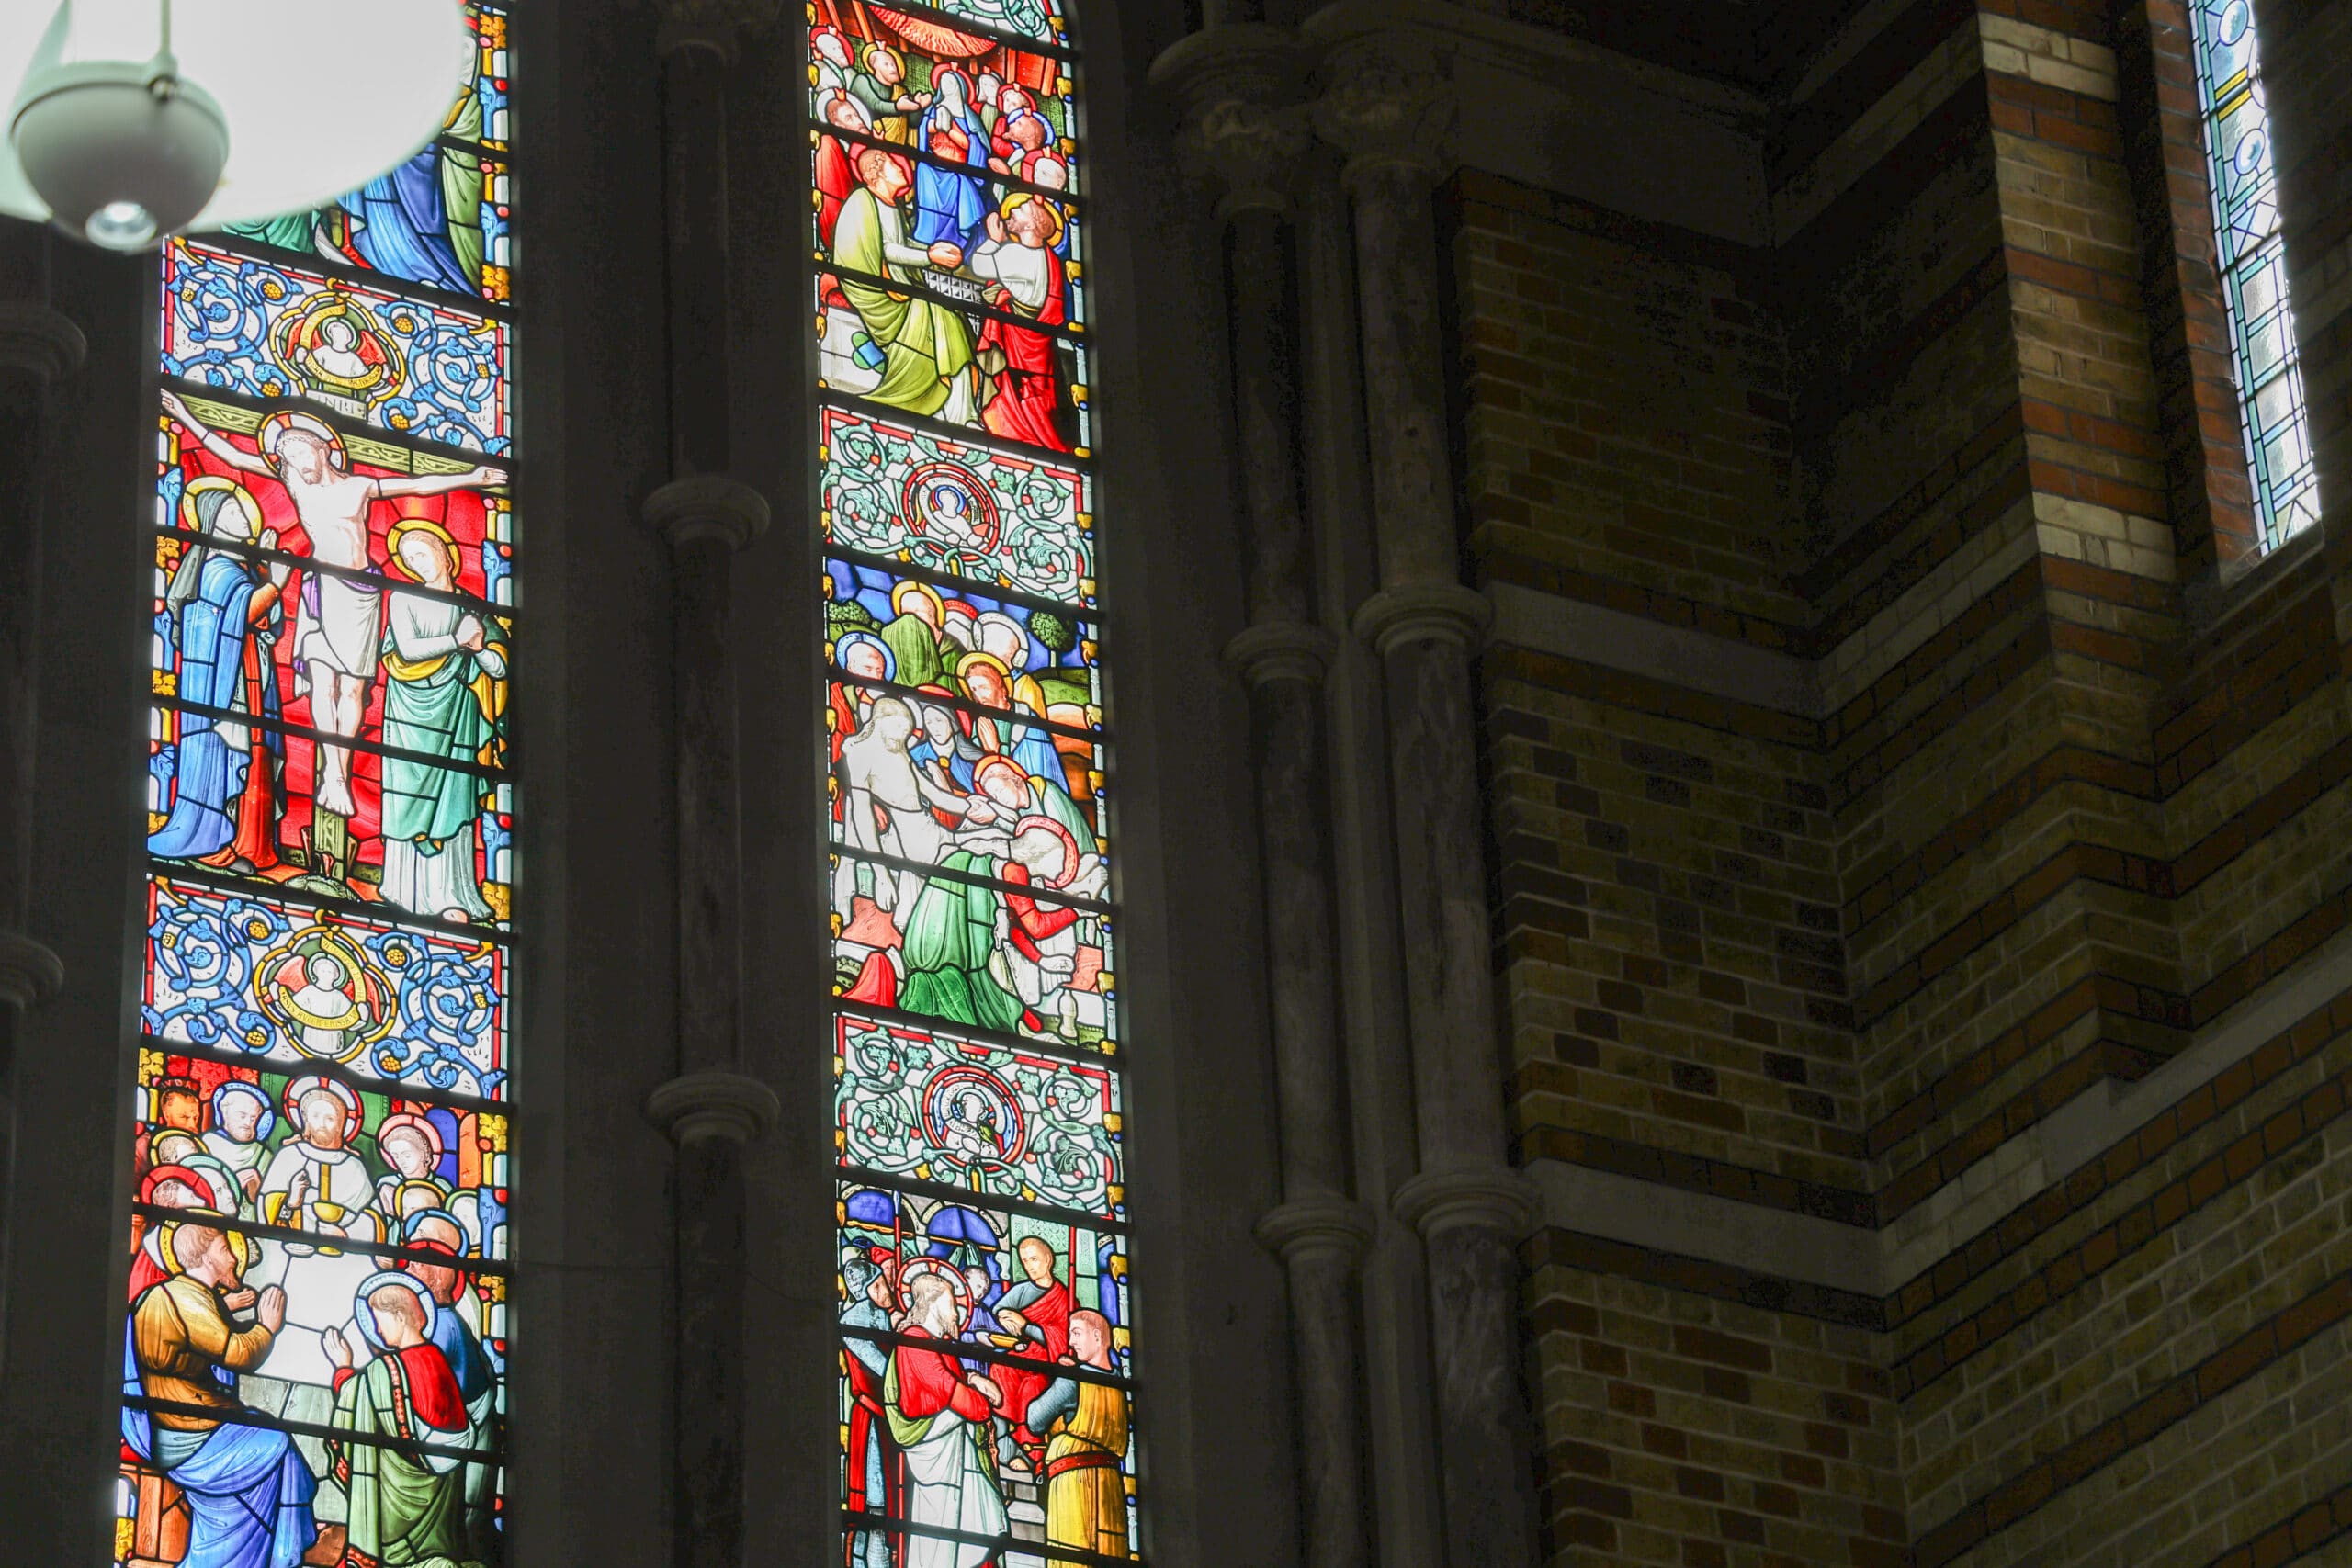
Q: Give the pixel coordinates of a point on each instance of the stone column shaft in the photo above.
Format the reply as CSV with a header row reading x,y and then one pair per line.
x,y
1231,77
709,835
1470,1207
38,347
1404,372
694,178
711,1110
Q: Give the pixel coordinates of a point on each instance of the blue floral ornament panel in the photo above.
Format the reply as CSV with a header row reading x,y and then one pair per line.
x,y
264,331
235,970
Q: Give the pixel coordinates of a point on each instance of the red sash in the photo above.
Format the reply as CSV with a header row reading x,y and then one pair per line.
x,y
1085,1458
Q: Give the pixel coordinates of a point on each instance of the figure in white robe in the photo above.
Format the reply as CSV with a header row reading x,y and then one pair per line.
x,y
315,1183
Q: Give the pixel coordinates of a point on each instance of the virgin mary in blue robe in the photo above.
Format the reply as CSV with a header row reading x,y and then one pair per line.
x,y
950,206
213,594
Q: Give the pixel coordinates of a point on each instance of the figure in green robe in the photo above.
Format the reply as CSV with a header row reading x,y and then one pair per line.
x,y
925,347
445,678
951,937
406,1489
913,635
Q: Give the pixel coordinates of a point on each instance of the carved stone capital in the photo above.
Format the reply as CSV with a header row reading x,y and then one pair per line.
x,y
30,972
1234,84
1251,152
1323,1226
1386,111
706,506
1440,612
1494,1198
712,1105
1279,650
38,342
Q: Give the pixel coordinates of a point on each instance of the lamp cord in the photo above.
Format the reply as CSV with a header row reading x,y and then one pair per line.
x,y
165,83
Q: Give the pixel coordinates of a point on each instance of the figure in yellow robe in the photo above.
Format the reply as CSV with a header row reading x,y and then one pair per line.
x,y
1086,1492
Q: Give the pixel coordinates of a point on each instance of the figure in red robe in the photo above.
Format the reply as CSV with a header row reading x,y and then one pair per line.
x,y
1036,1313
1025,278
835,177
941,1419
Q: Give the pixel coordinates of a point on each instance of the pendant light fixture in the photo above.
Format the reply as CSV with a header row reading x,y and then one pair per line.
x,y
133,119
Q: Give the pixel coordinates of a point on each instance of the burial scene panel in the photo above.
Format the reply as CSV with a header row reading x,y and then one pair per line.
x,y
1015,1124
917,777
997,516
1004,954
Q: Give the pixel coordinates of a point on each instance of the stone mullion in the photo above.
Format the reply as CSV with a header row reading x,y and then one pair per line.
x,y
1467,1202
1231,78
712,1108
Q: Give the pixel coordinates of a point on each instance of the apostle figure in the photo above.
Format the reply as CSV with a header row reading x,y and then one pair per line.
x,y
939,1420
407,1502
926,347
1027,279
835,178
438,1232
227,613
241,1118
873,1456
950,206
1086,1495
881,91
316,1183
168,1185
912,634
990,685
247,1489
335,635
444,685
1036,1313
411,1145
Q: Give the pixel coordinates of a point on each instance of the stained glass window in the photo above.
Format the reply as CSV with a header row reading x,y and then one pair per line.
x,y
2267,361
987,1366
314,1346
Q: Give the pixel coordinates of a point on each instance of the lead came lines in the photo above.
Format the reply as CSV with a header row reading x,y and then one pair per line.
x,y
315,1342
979,1111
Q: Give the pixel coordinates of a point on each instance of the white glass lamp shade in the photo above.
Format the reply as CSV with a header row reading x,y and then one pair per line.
x,y
292,102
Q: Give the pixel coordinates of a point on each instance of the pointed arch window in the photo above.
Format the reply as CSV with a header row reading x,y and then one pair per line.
x,y
315,1340
2252,255
987,1366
